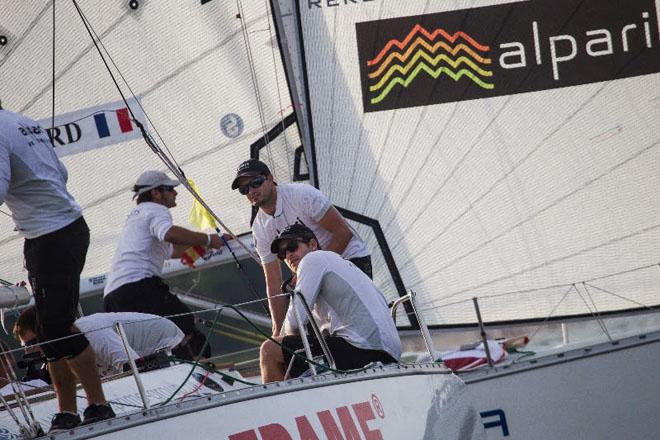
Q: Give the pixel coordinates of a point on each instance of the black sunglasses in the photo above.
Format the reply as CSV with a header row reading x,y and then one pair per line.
x,y
254,183
289,246
167,188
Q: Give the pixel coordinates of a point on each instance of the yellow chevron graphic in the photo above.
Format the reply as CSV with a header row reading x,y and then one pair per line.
x,y
432,49
434,74
433,62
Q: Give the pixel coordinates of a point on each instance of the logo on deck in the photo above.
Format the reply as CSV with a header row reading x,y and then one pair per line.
x,y
503,50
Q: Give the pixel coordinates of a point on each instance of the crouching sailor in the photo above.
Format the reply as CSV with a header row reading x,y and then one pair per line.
x,y
33,183
348,308
146,334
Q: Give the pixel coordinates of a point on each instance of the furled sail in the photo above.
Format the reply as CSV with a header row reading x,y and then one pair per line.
x,y
509,151
210,83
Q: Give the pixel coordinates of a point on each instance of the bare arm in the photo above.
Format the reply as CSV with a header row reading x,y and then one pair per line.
x,y
183,238
278,306
333,222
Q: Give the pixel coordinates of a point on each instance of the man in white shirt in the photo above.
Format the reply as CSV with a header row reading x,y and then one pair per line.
x,y
149,237
346,305
146,334
283,205
33,185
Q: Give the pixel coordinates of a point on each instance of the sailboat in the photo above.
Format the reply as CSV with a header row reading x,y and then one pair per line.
x,y
497,155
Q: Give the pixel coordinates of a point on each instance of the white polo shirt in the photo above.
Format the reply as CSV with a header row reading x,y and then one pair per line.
x,y
345,302
141,251
32,178
299,202
145,333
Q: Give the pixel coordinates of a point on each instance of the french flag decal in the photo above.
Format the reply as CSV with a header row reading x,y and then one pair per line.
x,y
86,129
122,118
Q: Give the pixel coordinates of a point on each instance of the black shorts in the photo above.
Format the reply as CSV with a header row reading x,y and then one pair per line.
x,y
54,262
364,264
346,356
150,295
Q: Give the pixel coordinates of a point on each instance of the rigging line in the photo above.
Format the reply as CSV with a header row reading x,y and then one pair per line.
x,y
192,159
96,38
600,318
52,120
251,65
555,286
620,296
551,261
331,122
27,31
71,65
595,314
270,16
554,309
169,162
529,218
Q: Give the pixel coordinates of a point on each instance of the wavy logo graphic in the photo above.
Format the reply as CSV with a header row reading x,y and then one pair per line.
x,y
436,53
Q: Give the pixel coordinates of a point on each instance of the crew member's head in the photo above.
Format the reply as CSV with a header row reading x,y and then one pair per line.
x,y
155,186
254,180
293,243
25,328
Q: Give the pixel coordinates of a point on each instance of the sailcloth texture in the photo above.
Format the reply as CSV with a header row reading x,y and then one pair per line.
x,y
206,81
509,151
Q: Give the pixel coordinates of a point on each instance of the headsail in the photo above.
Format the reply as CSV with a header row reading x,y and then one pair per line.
x,y
502,147
209,77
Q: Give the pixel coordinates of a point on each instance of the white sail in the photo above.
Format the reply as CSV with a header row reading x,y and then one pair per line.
x,y
208,76
520,155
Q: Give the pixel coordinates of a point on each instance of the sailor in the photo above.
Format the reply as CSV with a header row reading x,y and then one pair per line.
x,y
347,306
33,183
149,237
146,334
282,205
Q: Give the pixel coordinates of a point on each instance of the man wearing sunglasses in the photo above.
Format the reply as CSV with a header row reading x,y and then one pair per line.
x,y
149,237
349,309
282,205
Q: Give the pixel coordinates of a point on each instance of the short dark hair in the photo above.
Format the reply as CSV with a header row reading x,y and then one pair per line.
x,y
144,197
27,320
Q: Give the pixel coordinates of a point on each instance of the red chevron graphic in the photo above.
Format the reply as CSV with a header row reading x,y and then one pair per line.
x,y
431,36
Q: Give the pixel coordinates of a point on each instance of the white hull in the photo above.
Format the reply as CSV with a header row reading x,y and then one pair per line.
x,y
608,391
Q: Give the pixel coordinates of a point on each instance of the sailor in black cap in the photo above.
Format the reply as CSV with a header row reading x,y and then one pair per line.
x,y
282,205
345,303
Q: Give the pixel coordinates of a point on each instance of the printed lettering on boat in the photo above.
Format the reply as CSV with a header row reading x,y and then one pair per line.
x,y
355,421
495,419
94,127
503,50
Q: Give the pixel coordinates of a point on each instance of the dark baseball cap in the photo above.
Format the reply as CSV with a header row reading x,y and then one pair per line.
x,y
292,232
251,167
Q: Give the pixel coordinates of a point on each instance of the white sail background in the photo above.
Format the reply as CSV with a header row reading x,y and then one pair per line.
x,y
523,193
188,65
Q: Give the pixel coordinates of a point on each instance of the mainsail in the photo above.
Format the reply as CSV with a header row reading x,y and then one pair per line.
x,y
509,151
209,82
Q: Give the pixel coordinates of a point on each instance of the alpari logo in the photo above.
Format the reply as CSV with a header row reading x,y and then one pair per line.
x,y
504,49
434,53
